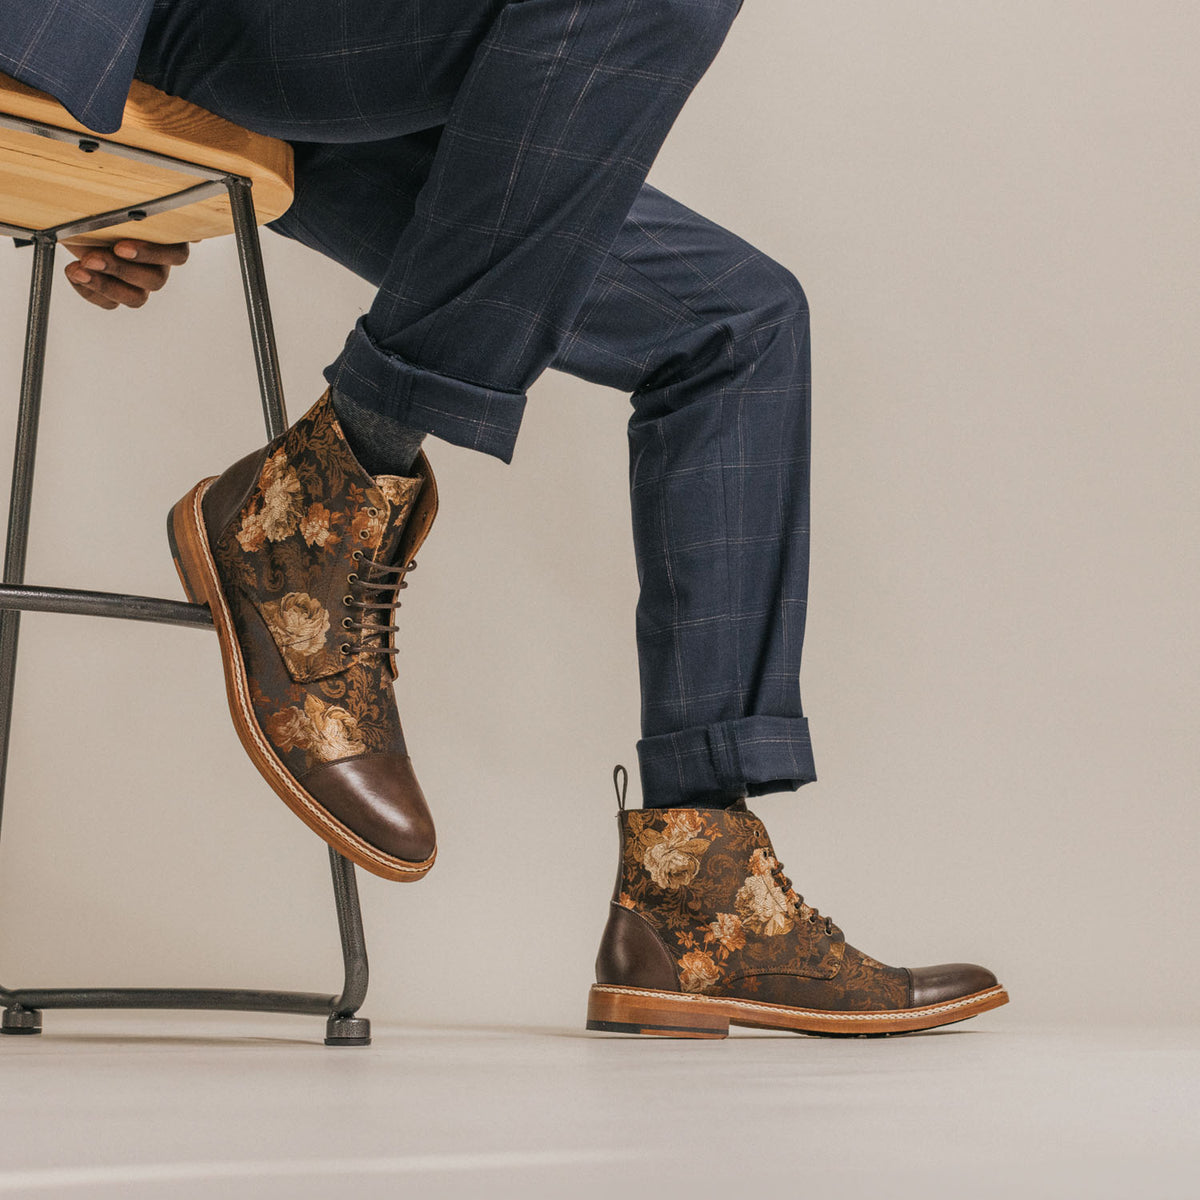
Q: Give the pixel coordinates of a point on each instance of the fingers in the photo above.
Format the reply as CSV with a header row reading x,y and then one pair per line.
x,y
145,276
106,291
123,274
174,254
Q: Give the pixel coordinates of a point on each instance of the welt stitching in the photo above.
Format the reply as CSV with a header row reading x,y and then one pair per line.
x,y
895,1014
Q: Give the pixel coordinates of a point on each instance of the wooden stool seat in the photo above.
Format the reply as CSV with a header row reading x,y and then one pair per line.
x,y
46,183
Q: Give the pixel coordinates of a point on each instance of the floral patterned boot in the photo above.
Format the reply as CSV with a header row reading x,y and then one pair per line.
x,y
301,555
705,931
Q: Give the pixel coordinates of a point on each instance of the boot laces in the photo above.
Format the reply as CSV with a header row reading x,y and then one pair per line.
x,y
789,890
376,591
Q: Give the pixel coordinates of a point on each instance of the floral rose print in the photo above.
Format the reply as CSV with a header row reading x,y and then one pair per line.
x,y
707,881
289,729
315,526
673,861
280,489
762,863
276,511
763,907
697,971
325,732
298,623
334,731
252,533
671,855
727,930
682,824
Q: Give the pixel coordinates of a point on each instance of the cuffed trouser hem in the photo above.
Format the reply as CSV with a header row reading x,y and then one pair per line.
x,y
467,414
759,754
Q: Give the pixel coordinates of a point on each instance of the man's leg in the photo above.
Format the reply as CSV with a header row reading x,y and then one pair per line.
x,y
710,337
553,112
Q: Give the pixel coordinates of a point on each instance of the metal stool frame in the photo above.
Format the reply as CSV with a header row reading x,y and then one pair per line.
x,y
21,1013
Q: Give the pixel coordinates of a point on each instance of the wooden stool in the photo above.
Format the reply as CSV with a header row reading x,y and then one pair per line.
x,y
172,173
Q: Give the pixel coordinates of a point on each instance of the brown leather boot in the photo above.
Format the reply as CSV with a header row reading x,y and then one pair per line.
x,y
300,555
705,931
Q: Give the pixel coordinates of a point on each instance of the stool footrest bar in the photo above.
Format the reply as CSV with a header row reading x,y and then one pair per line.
x,y
103,604
236,999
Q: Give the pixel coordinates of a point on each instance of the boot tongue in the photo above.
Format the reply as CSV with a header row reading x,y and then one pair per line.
x,y
399,493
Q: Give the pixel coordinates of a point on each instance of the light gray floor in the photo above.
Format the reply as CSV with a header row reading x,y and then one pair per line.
x,y
109,1105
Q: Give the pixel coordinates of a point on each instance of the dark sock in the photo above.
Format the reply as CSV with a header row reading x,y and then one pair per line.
x,y
381,445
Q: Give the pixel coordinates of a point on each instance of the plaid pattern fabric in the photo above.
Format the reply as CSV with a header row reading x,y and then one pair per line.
x,y
483,164
82,52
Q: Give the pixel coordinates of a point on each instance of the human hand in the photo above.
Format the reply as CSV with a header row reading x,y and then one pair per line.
x,y
124,273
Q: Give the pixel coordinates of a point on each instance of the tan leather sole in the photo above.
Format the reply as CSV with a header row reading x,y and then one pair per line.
x,y
198,574
615,1009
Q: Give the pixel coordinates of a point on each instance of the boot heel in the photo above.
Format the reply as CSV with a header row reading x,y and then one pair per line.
x,y
175,534
633,1010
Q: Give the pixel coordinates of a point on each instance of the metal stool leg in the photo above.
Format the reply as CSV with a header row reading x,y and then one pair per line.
x,y
22,477
254,282
17,1018
343,1028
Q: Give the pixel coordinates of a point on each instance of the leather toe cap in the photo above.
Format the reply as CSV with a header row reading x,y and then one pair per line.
x,y
948,981
378,797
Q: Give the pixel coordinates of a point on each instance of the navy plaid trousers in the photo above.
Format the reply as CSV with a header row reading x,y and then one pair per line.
x,y
483,163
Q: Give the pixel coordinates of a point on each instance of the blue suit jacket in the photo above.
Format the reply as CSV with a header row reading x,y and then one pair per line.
x,y
83,52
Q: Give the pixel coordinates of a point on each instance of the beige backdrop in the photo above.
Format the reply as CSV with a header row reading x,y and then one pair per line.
x,y
992,208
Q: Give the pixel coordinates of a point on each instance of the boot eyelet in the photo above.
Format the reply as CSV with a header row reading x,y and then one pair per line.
x,y
372,512
347,600
357,556
344,648
352,577
346,622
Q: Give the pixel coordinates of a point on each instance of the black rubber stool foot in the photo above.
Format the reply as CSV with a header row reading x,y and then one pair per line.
x,y
347,1031
21,1020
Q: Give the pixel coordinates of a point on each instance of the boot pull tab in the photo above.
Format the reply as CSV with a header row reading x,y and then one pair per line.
x,y
621,783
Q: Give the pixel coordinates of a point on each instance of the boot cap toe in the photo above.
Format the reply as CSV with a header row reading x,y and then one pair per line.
x,y
378,797
948,981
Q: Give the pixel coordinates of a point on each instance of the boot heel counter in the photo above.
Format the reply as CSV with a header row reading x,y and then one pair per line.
x,y
227,496
633,955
